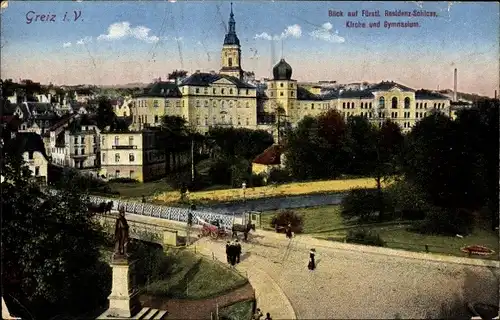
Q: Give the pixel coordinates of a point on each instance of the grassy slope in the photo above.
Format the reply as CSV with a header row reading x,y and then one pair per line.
x,y
238,311
193,277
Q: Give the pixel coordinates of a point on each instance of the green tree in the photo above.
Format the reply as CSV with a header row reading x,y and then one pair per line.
x,y
360,140
105,114
175,138
50,251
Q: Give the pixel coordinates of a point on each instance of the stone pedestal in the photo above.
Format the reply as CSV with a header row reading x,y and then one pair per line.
x,y
124,298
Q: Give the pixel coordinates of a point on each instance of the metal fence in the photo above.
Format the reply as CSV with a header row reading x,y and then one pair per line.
x,y
165,212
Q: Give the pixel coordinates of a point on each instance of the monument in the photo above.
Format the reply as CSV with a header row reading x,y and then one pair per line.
x,y
124,298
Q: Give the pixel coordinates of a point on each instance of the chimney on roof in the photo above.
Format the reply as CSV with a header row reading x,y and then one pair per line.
x,y
455,85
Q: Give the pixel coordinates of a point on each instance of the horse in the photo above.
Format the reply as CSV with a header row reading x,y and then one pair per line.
x,y
242,228
102,207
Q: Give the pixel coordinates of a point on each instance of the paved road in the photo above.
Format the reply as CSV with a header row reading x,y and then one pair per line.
x,y
289,202
350,284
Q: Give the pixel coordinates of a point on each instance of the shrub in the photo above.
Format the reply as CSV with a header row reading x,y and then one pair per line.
x,y
408,200
123,180
360,203
257,180
445,221
284,217
365,237
220,172
279,176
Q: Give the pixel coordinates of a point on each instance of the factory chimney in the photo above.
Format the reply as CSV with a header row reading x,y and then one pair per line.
x,y
455,86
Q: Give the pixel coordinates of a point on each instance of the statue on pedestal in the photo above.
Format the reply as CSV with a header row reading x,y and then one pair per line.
x,y
121,235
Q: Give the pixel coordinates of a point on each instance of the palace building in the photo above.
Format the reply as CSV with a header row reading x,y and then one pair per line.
x,y
225,99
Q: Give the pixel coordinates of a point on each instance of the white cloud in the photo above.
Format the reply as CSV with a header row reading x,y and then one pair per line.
x,y
121,30
294,31
325,33
84,41
67,45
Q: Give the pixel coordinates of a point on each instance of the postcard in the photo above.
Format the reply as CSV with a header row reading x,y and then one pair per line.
x,y
224,118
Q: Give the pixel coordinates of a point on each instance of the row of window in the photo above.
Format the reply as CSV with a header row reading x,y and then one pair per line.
x,y
117,140
281,85
82,140
82,151
223,104
292,93
131,157
223,120
422,105
352,105
222,91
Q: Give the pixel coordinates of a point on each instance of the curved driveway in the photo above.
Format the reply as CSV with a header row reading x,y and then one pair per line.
x,y
357,285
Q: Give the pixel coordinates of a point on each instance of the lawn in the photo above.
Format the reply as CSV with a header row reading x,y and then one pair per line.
x,y
239,311
194,277
398,237
137,190
299,188
316,219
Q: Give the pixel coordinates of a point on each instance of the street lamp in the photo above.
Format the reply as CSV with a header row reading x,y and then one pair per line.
x,y
243,187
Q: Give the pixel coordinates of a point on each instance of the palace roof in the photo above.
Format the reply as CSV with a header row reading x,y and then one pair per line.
x,y
202,79
429,95
270,156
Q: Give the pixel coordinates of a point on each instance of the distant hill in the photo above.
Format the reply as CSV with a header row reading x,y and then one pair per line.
x,y
125,86
462,95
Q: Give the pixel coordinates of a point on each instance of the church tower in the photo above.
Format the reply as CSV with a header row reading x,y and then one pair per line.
x,y
231,51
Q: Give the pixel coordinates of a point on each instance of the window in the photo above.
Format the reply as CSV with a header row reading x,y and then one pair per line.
x,y
292,93
83,151
37,171
131,157
281,93
281,85
247,92
131,174
117,173
272,94
117,140
348,105
156,119
239,121
370,105
230,91
130,140
206,121
82,139
353,105
76,151
215,104
343,105
214,91
198,121
381,103
222,91
434,106
117,157
206,103
248,105
394,103
95,150
407,103
248,122
425,105
362,106
76,140
223,104
103,157
197,90
205,90
312,105
155,103
230,62
197,103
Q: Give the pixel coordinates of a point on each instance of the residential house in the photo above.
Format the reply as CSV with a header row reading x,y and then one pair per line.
x,y
122,109
37,117
269,159
83,95
30,146
134,154
76,145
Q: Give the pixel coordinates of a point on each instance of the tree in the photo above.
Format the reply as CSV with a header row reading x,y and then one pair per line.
x,y
105,114
50,251
389,145
360,141
175,138
177,74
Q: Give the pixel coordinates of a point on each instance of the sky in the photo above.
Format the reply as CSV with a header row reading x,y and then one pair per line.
x,y
115,42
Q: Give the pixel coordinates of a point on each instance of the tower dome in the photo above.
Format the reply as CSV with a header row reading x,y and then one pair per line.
x,y
282,71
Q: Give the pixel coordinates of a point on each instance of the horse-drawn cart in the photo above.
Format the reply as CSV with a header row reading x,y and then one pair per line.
x,y
213,229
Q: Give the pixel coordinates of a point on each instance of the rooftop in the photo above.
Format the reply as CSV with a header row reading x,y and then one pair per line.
x,y
202,79
270,156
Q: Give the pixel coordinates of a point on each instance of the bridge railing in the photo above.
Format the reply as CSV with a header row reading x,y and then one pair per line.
x,y
162,212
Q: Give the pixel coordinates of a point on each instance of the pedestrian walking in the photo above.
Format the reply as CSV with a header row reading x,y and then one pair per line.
x,y
312,262
268,316
143,199
228,252
237,244
232,253
288,231
257,315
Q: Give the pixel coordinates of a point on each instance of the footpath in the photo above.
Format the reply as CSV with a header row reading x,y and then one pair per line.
x,y
306,242
268,294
